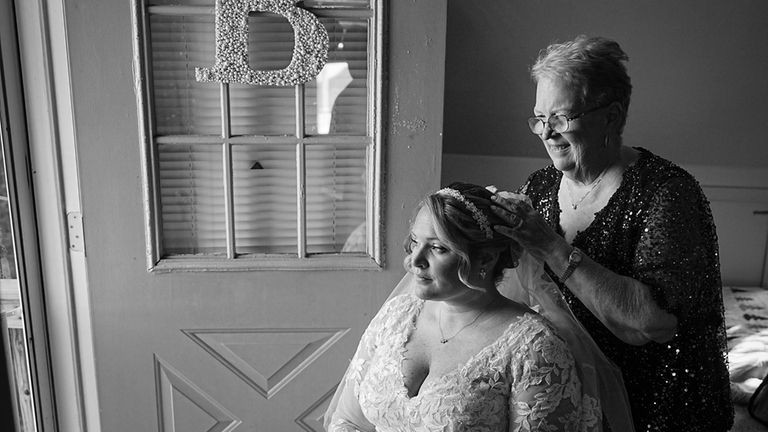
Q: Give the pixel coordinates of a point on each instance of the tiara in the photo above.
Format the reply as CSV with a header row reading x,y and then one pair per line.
x,y
477,215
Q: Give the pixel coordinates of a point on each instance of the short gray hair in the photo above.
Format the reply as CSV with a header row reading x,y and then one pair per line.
x,y
592,65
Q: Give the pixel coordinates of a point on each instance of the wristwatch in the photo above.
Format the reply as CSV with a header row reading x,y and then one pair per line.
x,y
574,259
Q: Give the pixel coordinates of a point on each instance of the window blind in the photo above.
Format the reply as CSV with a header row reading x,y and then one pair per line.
x,y
189,140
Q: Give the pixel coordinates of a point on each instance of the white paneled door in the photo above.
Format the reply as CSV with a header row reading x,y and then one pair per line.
x,y
242,349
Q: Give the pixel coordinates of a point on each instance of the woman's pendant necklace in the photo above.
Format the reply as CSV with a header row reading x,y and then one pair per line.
x,y
444,339
575,205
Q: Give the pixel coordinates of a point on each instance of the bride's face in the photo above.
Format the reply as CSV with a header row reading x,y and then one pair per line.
x,y
432,261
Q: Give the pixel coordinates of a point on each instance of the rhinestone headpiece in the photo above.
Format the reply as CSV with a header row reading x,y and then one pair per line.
x,y
477,215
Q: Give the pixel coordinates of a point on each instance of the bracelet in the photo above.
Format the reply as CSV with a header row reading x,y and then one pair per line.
x,y
574,259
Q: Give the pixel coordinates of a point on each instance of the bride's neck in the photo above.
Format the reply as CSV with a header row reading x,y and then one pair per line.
x,y
475,301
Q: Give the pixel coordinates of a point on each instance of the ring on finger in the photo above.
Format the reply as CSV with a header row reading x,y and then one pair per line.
x,y
515,221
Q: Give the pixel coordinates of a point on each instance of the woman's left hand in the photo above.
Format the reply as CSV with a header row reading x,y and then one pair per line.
x,y
525,225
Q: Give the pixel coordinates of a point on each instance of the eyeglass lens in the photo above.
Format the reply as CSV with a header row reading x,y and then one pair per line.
x,y
557,123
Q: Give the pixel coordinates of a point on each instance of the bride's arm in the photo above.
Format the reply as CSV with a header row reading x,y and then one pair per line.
x,y
547,396
348,417
344,413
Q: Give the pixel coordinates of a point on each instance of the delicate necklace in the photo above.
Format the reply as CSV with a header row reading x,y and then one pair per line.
x,y
444,339
576,204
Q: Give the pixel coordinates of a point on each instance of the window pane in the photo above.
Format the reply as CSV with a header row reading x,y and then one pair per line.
x,y
336,198
258,110
209,3
183,106
192,198
263,110
337,3
7,249
337,101
265,198
191,176
307,3
15,331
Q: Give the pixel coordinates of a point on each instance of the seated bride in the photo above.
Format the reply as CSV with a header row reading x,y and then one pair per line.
x,y
451,353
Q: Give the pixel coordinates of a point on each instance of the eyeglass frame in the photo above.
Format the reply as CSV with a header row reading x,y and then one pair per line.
x,y
565,116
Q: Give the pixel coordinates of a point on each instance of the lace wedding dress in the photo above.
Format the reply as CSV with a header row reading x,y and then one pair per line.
x,y
526,380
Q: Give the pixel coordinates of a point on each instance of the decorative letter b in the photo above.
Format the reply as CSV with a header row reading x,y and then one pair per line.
x,y
310,50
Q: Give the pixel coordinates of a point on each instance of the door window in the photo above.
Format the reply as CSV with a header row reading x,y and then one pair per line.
x,y
260,177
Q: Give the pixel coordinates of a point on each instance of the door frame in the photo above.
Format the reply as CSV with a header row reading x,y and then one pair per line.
x,y
54,176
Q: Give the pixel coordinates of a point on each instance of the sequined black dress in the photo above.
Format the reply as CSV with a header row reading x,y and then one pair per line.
x,y
657,228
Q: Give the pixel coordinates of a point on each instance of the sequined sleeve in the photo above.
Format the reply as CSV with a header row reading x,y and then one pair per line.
x,y
677,252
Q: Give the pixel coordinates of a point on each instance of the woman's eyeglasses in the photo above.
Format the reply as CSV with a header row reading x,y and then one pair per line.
x,y
559,122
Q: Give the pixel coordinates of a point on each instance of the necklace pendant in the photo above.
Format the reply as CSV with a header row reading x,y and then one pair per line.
x,y
575,206
442,340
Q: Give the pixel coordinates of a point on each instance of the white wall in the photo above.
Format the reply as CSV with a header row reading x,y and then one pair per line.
x,y
698,69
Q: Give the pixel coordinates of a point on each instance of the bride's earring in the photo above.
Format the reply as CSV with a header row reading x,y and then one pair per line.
x,y
483,273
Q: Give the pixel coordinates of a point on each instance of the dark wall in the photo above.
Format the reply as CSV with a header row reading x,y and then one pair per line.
x,y
699,71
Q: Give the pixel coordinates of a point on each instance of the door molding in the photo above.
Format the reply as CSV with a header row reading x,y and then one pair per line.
x,y
28,282
53,161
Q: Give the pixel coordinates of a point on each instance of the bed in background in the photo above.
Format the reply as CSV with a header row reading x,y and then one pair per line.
x,y
739,202
746,317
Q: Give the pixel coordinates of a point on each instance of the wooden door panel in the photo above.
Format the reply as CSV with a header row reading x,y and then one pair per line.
x,y
266,359
231,400
183,406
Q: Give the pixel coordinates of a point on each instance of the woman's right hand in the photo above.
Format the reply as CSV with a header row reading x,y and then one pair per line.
x,y
526,226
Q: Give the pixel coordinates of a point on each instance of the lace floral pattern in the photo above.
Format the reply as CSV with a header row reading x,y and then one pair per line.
x,y
526,380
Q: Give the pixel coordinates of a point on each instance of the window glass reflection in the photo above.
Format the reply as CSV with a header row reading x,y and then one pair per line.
x,y
12,317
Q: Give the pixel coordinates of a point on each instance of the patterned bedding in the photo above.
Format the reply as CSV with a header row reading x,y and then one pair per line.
x,y
746,320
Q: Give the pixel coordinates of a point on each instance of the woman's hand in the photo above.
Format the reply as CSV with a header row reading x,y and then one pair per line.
x,y
525,225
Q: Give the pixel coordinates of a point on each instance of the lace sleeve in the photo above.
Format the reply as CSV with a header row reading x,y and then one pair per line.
x,y
547,394
348,417
677,252
344,413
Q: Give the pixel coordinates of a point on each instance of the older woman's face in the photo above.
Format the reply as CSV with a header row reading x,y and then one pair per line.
x,y
580,149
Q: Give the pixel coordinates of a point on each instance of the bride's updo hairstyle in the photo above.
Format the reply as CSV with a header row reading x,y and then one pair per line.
x,y
468,231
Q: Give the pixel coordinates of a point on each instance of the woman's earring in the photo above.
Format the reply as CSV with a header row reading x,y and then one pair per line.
x,y
606,141
483,274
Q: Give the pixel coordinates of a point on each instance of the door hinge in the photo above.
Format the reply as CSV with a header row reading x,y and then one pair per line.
x,y
75,224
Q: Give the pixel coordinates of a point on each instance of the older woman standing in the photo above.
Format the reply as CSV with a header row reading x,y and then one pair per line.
x,y
629,239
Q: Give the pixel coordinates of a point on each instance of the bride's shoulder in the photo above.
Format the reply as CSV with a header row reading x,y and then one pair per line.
x,y
403,299
511,311
401,303
516,316
396,312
